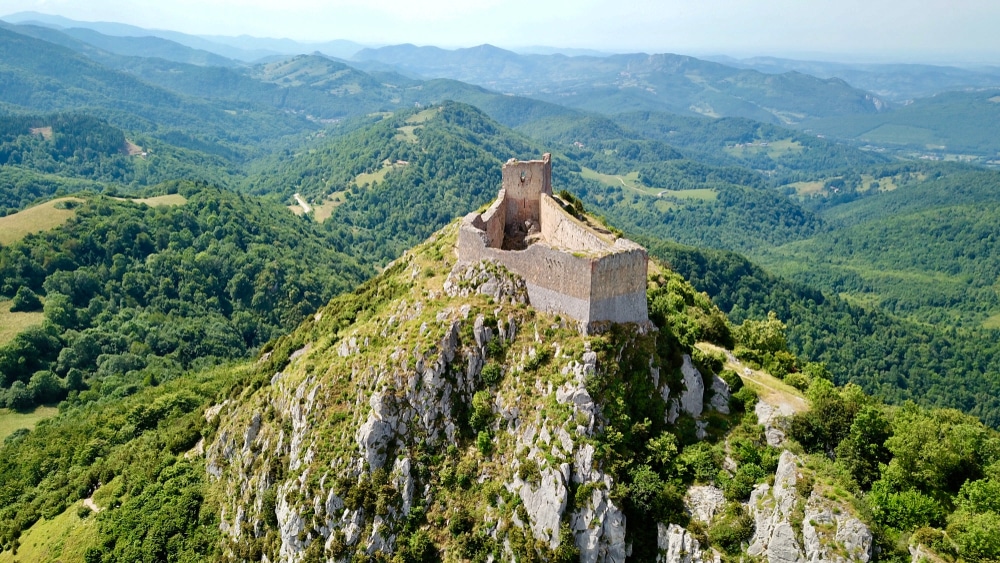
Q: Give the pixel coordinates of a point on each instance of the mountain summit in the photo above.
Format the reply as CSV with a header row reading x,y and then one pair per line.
x,y
438,414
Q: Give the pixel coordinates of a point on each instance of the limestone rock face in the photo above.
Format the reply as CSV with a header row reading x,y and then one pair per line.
x,y
774,420
290,525
545,503
677,546
379,430
720,395
703,502
369,424
772,507
599,527
486,278
693,397
830,534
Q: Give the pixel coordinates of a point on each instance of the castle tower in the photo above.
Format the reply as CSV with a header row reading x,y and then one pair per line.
x,y
569,266
524,182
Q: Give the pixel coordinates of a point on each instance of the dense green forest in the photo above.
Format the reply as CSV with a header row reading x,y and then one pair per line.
x,y
891,358
132,448
915,475
949,122
136,294
938,266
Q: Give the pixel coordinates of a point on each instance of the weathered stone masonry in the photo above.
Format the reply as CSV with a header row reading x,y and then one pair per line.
x,y
568,267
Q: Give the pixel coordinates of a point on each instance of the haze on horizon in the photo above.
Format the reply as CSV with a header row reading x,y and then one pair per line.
x,y
960,31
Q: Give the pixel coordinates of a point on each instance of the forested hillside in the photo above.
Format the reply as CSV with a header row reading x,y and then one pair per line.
x,y
135,294
892,358
194,470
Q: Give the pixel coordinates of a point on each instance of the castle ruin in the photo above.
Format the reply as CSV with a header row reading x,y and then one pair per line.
x,y
569,266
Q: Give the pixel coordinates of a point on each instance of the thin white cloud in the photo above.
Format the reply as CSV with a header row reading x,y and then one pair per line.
x,y
874,28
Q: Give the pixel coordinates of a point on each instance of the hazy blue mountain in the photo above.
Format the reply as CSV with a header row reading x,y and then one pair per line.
x,y
109,49
340,48
947,125
40,76
125,30
635,82
244,47
569,52
149,46
895,82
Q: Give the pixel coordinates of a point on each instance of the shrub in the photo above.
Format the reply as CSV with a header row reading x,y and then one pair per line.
x,y
654,498
25,300
732,529
492,373
529,471
482,411
734,381
484,442
741,485
903,510
699,462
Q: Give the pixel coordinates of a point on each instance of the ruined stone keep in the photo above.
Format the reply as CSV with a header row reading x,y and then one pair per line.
x,y
569,266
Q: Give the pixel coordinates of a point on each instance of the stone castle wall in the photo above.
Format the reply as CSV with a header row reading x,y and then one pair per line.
x,y
523,182
559,229
495,220
569,269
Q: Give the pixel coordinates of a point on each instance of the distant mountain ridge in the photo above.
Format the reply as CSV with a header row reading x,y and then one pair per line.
x,y
242,48
617,83
896,82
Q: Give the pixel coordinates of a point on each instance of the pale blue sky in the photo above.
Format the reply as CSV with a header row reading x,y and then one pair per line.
x,y
883,30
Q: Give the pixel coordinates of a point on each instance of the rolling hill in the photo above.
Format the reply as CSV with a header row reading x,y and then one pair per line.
x,y
947,125
620,83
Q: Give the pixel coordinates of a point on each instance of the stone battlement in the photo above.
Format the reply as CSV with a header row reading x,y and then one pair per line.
x,y
568,267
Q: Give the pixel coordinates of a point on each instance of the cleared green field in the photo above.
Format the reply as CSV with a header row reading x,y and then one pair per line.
x,y
664,205
36,219
371,177
773,149
630,182
158,201
900,135
64,538
423,116
12,420
162,200
993,322
323,211
12,324
807,188
407,133
703,194
377,176
869,182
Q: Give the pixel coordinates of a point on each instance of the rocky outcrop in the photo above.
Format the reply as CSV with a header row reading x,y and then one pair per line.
x,y
371,423
774,419
832,534
693,396
677,546
703,502
486,278
720,395
793,529
544,503
772,507
599,528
